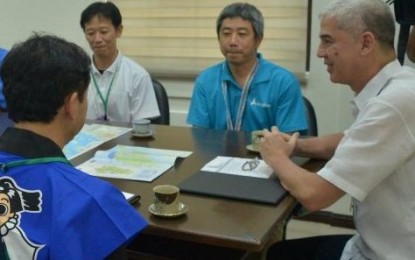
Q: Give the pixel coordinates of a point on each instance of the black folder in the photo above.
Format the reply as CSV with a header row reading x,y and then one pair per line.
x,y
245,188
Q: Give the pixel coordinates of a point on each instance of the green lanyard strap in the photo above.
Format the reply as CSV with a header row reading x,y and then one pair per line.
x,y
101,96
4,167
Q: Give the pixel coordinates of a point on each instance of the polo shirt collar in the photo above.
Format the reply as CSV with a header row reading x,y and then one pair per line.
x,y
376,84
28,144
227,75
112,68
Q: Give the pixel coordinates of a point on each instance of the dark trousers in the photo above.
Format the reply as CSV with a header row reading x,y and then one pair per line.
x,y
312,248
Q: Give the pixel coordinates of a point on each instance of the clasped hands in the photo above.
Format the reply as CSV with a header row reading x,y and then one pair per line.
x,y
277,144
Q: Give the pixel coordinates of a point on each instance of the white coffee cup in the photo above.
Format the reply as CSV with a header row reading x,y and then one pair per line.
x,y
166,199
141,126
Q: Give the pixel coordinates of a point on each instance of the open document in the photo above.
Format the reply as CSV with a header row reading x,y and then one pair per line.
x,y
90,137
239,166
132,163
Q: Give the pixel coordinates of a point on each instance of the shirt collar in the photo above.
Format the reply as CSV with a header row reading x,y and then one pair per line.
x,y
376,84
226,72
28,144
112,68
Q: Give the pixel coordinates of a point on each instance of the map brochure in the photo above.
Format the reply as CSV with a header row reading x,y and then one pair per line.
x,y
91,136
132,162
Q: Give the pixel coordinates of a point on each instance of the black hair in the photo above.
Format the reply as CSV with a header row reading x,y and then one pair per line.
x,y
246,12
107,10
39,73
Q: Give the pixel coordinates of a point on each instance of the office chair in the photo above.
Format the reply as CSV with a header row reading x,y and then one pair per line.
x,y
312,131
311,118
163,104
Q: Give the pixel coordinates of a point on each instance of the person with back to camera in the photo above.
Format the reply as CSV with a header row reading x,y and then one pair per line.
x,y
121,90
245,92
374,160
48,208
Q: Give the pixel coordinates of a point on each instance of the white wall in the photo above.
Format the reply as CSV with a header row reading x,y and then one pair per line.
x,y
19,18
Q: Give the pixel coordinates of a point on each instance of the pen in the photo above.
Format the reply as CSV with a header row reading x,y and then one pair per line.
x,y
135,199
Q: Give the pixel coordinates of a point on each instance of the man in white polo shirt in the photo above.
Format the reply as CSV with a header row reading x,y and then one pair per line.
x,y
120,89
374,160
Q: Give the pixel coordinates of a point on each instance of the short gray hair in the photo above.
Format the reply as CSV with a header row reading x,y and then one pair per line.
x,y
245,11
358,16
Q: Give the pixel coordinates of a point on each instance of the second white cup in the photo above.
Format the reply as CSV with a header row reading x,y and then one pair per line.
x,y
141,126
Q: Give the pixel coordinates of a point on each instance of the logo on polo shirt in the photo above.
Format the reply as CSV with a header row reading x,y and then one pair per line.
x,y
259,104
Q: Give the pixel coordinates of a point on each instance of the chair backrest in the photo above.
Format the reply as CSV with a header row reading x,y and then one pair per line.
x,y
163,104
311,118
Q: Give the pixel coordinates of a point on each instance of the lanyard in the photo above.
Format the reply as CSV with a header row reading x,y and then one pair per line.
x,y
242,100
105,101
4,167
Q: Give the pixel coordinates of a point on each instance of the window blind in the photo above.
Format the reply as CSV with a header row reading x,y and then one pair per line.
x,y
177,38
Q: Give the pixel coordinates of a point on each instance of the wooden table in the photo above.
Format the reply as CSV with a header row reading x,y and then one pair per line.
x,y
210,221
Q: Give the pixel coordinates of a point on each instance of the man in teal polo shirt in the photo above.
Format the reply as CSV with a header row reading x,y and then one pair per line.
x,y
245,92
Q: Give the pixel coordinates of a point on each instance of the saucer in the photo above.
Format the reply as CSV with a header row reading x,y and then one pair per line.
x,y
251,148
149,134
181,211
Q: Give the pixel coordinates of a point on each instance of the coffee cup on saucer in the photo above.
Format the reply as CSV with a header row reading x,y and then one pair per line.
x,y
166,199
255,140
166,202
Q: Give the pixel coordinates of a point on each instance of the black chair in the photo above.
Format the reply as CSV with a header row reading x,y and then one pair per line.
x,y
311,118
312,131
163,104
